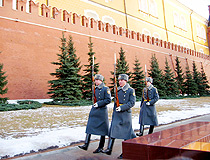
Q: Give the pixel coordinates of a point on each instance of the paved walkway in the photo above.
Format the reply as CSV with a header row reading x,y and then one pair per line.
x,y
74,153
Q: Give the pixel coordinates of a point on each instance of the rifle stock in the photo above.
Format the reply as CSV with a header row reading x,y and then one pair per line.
x,y
115,84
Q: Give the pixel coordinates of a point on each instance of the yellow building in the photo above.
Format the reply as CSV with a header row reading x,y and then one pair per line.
x,y
168,20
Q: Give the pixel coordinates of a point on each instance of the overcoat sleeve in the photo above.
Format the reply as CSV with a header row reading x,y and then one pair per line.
x,y
155,96
107,98
131,102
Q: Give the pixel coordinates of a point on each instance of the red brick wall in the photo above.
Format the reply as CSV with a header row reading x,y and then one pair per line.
x,y
29,43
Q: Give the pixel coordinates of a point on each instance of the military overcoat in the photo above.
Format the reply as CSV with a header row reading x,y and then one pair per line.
x,y
121,125
148,114
98,122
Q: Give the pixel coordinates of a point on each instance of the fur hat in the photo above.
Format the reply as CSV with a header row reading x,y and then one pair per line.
x,y
123,77
149,79
99,77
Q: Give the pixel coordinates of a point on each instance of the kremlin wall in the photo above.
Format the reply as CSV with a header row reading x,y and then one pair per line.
x,y
30,42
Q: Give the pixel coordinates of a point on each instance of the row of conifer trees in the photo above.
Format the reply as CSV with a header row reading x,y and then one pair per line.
x,y
69,86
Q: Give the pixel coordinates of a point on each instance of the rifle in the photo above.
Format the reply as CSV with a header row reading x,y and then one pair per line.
x,y
94,100
115,84
146,82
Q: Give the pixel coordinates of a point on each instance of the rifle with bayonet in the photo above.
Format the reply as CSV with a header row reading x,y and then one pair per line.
x,y
146,82
115,84
94,100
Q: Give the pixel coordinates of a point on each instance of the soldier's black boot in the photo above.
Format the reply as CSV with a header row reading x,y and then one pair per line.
x,y
109,147
101,145
141,131
120,157
87,141
151,128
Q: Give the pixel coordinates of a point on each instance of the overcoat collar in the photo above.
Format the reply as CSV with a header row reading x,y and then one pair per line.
x,y
125,87
100,85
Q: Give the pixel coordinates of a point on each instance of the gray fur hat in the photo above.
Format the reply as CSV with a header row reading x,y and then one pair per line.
x,y
149,79
123,77
99,77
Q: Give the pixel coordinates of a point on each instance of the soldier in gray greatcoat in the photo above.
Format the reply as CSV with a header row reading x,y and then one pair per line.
x,y
121,125
148,114
98,123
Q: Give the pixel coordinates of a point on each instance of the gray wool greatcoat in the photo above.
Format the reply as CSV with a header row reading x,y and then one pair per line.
x,y
121,125
98,122
148,114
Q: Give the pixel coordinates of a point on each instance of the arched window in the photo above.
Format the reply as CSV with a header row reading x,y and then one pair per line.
x,y
182,22
156,35
203,33
143,6
201,50
146,32
176,19
91,14
107,19
153,8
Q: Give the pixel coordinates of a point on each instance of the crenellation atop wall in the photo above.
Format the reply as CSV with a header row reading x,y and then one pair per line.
x,y
82,21
45,11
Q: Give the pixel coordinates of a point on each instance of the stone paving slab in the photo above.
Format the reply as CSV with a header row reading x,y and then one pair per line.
x,y
75,153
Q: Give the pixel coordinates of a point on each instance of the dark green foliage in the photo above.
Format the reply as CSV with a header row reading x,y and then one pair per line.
x,y
21,105
137,78
179,77
204,86
122,67
190,88
196,77
170,83
66,88
156,73
3,83
87,78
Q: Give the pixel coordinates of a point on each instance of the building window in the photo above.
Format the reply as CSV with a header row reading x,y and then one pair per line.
x,y
148,7
156,35
14,4
201,33
201,50
107,19
91,14
180,22
153,8
183,22
143,6
146,32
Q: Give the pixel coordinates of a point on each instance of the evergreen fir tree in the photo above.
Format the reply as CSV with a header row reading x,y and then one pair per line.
x,y
87,78
180,76
3,83
137,78
66,88
196,77
156,73
170,83
122,67
190,87
204,87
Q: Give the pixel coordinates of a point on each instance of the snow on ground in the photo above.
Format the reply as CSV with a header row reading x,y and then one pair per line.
x,y
65,135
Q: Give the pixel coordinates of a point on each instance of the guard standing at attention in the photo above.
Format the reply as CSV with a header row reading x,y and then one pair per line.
x,y
121,125
98,123
148,114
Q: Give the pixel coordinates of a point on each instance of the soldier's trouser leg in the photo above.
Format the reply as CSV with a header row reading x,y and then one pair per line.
x,y
110,146
141,130
101,145
87,141
151,128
